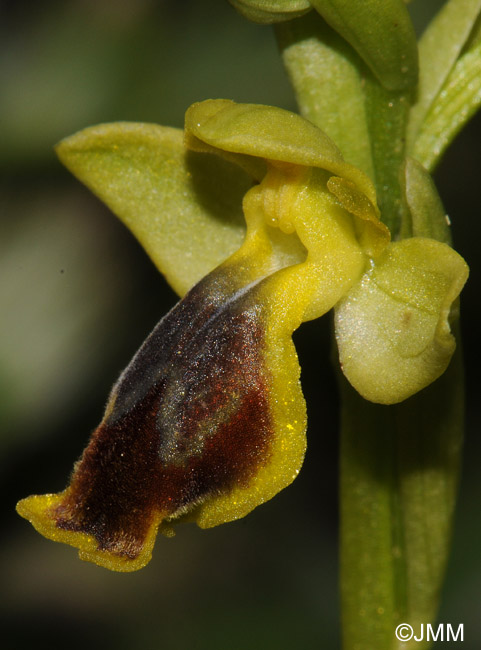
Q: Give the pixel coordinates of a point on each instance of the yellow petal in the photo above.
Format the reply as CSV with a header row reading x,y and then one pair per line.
x,y
374,236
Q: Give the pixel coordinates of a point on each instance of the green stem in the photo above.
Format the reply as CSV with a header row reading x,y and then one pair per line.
x,y
399,473
399,469
387,114
399,464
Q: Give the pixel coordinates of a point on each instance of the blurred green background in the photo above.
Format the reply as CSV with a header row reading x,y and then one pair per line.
x,y
77,297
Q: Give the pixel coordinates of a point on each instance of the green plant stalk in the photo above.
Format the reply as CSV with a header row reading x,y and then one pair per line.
x,y
387,113
399,472
399,464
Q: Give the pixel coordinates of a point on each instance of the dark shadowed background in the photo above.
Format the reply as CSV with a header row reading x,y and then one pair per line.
x,y
78,296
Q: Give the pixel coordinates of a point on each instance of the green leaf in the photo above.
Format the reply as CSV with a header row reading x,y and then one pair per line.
x,y
475,36
454,106
326,74
184,208
381,32
271,11
439,48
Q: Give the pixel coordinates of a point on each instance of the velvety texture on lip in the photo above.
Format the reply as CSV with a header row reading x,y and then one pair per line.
x,y
189,418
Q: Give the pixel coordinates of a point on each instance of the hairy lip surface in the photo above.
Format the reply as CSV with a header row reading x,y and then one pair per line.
x,y
189,418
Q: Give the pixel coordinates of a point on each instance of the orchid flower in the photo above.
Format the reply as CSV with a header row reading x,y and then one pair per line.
x,y
208,420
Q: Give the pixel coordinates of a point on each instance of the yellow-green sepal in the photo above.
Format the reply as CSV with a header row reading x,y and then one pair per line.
x,y
255,131
185,209
392,328
271,11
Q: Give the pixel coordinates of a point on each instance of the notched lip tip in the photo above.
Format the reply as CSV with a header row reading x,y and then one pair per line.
x,y
46,527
